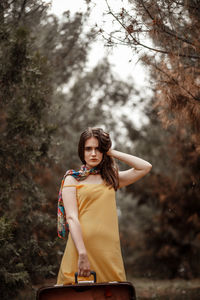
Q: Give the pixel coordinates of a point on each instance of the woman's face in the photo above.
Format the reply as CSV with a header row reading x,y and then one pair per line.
x,y
92,155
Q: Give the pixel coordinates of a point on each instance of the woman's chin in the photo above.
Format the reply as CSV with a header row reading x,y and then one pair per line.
x,y
92,164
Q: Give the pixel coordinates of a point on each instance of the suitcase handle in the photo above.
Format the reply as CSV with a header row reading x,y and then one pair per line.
x,y
92,273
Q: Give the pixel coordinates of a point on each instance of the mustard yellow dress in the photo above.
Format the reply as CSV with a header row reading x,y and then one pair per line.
x,y
99,224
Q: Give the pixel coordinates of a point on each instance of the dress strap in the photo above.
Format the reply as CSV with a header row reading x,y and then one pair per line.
x,y
73,185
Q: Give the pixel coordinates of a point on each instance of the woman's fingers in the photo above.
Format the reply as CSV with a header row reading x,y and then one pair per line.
x,y
84,274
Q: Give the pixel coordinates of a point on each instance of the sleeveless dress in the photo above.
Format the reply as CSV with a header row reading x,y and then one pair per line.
x,y
99,224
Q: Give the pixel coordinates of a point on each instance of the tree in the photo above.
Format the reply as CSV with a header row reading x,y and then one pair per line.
x,y
166,35
25,138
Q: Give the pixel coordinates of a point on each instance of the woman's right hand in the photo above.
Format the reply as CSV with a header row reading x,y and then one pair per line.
x,y
83,265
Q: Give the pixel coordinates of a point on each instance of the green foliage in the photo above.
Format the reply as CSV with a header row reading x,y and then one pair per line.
x,y
12,272
25,140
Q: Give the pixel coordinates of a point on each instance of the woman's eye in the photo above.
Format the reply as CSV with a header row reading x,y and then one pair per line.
x,y
90,149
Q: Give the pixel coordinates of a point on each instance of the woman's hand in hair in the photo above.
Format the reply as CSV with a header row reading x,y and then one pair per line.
x,y
109,153
139,167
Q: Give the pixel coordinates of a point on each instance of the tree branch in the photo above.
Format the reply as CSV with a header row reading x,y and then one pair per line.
x,y
163,28
177,83
136,42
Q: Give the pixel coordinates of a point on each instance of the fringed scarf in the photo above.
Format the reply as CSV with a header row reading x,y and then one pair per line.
x,y
82,174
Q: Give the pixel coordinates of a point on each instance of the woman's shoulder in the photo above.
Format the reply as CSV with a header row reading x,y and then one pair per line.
x,y
69,179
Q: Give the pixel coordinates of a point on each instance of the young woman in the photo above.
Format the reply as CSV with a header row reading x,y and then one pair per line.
x,y
88,201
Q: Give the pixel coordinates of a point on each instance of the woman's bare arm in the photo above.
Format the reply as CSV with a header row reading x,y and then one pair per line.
x,y
71,210
140,167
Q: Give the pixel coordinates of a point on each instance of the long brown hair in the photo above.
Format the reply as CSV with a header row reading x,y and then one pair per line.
x,y
107,167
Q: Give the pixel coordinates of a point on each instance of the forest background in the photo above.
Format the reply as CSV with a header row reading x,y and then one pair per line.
x,y
48,97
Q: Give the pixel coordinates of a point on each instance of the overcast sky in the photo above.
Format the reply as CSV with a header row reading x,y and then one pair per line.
x,y
122,58
124,63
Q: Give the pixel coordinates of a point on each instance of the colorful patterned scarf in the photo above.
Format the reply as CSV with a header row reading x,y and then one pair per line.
x,y
82,174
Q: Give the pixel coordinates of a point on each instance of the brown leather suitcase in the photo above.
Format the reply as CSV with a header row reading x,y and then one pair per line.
x,y
88,291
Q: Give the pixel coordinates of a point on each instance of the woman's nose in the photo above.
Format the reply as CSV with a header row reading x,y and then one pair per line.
x,y
93,152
